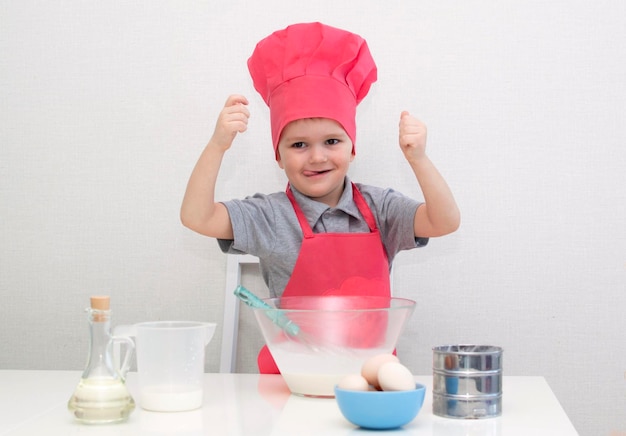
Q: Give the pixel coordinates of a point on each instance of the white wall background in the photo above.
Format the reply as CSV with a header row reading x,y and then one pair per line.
x,y
105,107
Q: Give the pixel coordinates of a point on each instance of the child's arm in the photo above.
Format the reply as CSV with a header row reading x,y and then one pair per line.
x,y
199,210
440,214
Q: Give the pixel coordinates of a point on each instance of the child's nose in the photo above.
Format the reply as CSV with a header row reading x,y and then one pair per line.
x,y
318,153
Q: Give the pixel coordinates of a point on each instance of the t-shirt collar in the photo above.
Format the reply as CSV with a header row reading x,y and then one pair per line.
x,y
313,210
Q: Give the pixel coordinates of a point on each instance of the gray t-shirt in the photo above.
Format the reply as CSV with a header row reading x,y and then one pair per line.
x,y
266,226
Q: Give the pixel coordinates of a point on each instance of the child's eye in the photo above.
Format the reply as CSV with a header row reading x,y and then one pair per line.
x,y
298,145
332,141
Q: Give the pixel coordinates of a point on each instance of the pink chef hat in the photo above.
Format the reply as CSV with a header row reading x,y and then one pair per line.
x,y
312,70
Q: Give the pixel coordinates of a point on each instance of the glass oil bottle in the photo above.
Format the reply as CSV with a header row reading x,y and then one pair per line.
x,y
101,396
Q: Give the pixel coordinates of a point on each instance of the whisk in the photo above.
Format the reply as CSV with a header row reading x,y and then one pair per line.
x,y
277,316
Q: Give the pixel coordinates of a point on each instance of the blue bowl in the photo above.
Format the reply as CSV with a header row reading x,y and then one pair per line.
x,y
380,410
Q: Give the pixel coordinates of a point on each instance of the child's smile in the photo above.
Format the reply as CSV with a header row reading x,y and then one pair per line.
x,y
315,173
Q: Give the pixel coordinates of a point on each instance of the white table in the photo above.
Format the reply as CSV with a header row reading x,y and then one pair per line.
x,y
35,403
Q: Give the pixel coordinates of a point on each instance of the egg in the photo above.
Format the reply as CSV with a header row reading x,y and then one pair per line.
x,y
393,376
370,368
353,382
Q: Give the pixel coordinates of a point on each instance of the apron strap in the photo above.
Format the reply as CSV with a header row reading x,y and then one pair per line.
x,y
304,224
364,208
360,202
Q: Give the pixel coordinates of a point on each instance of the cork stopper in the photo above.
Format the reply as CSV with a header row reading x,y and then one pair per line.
x,y
100,302
100,307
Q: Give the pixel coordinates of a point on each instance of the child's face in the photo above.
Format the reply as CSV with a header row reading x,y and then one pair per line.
x,y
315,154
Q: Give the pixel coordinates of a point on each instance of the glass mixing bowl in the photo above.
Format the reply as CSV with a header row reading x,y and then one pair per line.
x,y
315,341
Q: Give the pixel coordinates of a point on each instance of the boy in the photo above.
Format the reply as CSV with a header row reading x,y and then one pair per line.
x,y
325,235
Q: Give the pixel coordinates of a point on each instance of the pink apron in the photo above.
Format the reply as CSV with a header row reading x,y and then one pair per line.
x,y
363,267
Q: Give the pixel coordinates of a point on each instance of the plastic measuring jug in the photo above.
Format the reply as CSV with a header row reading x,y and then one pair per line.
x,y
170,362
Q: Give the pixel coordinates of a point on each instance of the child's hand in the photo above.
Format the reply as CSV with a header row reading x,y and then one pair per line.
x,y
412,137
233,119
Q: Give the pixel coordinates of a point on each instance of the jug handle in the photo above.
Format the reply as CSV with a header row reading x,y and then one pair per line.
x,y
122,337
209,332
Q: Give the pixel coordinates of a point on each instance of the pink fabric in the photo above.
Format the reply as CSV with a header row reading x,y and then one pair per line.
x,y
363,271
312,70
